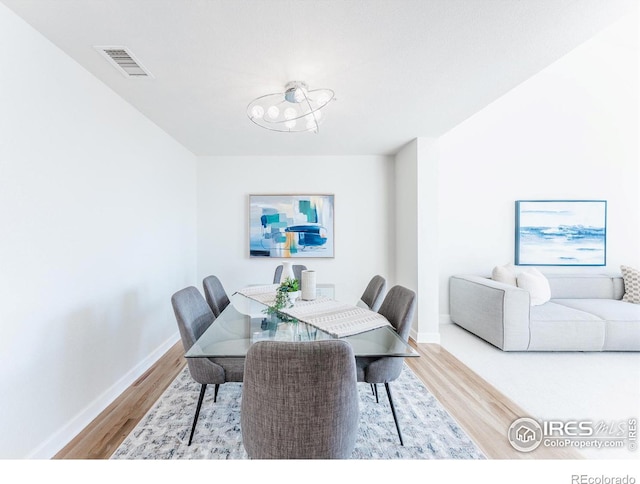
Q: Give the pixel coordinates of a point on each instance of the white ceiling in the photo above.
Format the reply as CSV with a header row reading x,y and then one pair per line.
x,y
400,68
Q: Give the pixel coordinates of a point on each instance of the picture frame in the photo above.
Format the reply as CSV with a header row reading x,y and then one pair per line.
x,y
561,232
291,226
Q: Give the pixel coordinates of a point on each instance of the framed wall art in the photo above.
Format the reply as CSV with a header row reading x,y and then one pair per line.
x,y
561,232
296,226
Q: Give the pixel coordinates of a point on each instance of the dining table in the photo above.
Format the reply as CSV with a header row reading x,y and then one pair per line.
x,y
247,319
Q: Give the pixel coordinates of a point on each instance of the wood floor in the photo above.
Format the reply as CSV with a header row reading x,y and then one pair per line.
x,y
102,437
483,412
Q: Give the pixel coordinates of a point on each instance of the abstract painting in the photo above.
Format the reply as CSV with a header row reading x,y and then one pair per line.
x,y
561,232
296,226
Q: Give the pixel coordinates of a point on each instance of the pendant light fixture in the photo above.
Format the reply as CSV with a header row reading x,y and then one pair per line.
x,y
297,109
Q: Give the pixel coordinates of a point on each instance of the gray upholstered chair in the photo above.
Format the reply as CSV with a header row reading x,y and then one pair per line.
x,y
297,272
299,400
398,307
215,294
374,293
194,316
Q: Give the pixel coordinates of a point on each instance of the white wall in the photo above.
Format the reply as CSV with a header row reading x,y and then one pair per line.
x,y
98,229
416,258
570,132
406,229
363,189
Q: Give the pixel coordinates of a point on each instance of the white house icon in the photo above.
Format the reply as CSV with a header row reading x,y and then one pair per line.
x,y
525,434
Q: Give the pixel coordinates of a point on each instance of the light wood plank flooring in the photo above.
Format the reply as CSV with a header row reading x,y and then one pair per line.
x,y
102,437
483,412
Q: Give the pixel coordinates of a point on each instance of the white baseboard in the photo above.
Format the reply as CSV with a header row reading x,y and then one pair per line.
x,y
425,337
63,436
430,336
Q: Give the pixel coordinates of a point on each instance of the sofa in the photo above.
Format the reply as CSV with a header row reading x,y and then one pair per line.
x,y
582,313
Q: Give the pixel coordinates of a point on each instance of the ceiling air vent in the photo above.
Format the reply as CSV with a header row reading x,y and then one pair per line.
x,y
124,61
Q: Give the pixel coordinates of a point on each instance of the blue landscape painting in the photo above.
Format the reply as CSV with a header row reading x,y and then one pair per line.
x,y
291,225
561,232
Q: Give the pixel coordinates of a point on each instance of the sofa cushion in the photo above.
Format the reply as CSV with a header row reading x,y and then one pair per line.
x,y
553,312
620,328
622,336
557,327
592,286
567,335
536,283
631,278
606,309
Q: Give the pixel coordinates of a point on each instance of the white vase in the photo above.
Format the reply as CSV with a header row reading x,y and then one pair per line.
x,y
287,272
308,285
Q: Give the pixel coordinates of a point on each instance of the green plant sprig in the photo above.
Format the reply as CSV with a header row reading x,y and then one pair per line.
x,y
282,295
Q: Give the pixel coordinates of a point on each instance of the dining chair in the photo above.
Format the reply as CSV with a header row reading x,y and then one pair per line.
x,y
215,294
299,400
374,293
297,272
398,307
194,316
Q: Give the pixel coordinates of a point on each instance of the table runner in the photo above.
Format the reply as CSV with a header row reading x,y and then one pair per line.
x,y
333,317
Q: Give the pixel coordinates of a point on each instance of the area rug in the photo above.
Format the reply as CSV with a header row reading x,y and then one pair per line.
x,y
428,431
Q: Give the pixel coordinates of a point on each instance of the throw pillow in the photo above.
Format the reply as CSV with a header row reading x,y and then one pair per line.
x,y
537,284
506,274
631,278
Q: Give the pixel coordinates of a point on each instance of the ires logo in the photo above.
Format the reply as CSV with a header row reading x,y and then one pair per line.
x,y
526,434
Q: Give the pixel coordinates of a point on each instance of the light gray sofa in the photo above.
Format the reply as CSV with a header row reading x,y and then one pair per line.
x,y
585,313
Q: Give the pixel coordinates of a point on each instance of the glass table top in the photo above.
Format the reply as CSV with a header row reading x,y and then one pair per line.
x,y
243,322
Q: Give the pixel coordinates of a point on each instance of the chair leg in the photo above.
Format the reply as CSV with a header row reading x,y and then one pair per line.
x,y
375,391
203,387
393,411
215,392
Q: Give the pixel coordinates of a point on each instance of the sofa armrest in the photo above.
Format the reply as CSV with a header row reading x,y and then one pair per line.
x,y
494,311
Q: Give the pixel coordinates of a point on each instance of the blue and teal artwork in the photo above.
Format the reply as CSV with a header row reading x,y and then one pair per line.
x,y
561,232
291,225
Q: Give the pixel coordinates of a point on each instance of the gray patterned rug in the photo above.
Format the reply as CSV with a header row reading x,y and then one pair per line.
x,y
429,432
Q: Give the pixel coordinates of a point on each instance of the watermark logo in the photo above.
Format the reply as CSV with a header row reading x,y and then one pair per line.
x,y
526,434
602,479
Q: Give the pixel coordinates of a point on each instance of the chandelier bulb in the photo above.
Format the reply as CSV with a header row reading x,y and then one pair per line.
x,y
273,112
257,112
